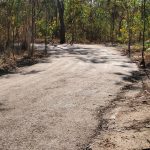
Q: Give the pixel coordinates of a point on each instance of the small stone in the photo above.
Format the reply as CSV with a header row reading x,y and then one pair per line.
x,y
144,102
147,126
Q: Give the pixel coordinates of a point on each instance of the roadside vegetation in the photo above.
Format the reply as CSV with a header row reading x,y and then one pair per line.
x,y
23,23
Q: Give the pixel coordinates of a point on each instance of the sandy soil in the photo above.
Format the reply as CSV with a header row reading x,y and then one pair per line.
x,y
53,105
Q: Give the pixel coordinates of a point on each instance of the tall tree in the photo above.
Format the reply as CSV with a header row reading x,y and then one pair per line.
x,y
33,2
60,4
144,29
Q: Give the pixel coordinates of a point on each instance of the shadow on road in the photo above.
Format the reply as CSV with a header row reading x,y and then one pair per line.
x,y
3,108
87,55
32,72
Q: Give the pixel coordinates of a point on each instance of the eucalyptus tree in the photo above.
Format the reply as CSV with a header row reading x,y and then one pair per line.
x,y
50,8
60,4
25,21
144,29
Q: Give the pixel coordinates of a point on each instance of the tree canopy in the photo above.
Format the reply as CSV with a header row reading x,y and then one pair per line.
x,y
73,21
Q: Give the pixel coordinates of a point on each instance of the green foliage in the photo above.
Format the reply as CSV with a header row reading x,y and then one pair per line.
x,y
100,21
42,30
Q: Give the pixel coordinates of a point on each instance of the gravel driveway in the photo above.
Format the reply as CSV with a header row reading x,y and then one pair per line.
x,y
53,105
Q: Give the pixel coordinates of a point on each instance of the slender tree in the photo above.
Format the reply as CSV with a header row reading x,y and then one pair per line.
x,y
33,28
144,29
60,4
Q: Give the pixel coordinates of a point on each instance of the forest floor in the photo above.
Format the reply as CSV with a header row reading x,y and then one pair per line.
x,y
81,97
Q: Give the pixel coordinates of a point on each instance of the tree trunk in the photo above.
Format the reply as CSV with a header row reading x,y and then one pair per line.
x,y
129,33
61,19
8,35
144,28
46,20
33,28
129,42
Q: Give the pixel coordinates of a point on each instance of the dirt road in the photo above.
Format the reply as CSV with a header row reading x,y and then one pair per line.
x,y
53,105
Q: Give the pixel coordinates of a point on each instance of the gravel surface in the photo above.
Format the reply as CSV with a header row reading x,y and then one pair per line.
x,y
53,105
